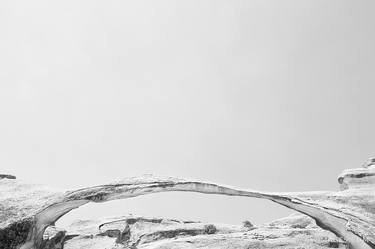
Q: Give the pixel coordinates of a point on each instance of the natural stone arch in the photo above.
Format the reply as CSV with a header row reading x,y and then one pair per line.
x,y
347,213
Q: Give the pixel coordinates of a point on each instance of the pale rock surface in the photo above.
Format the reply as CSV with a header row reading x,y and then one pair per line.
x,y
295,232
27,210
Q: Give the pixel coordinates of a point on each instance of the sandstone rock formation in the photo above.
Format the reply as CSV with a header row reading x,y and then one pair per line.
x,y
139,232
343,219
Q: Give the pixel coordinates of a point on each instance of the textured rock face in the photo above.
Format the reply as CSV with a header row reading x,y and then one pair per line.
x,y
344,219
358,178
138,232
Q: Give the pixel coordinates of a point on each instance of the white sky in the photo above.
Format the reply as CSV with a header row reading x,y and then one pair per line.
x,y
273,95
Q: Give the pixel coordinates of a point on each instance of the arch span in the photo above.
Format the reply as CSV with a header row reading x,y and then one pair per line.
x,y
324,207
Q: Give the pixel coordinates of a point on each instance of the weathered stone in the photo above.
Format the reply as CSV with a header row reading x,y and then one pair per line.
x,y
27,210
172,234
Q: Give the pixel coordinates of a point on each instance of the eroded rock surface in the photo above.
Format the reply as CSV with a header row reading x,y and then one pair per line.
x,y
349,215
295,232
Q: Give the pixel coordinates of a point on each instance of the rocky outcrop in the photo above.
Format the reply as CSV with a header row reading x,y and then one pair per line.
x,y
26,211
295,232
358,178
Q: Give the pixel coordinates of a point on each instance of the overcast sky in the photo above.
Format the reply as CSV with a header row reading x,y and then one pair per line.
x,y
272,95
